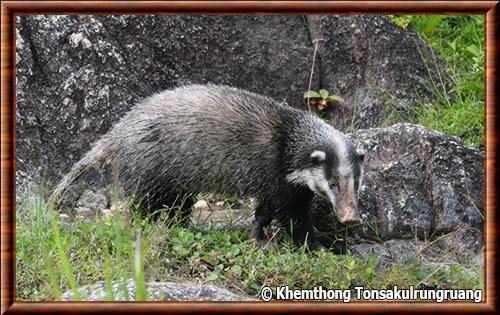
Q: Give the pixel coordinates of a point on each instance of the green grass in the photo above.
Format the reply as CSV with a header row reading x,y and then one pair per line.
x,y
458,108
54,256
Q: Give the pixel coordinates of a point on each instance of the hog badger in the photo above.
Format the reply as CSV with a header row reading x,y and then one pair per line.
x,y
223,140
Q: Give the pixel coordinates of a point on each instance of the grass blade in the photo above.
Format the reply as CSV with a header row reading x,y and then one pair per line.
x,y
68,271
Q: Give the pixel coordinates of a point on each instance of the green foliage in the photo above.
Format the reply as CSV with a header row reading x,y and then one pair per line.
x,y
312,94
427,23
459,42
63,257
112,249
321,99
401,20
322,94
53,256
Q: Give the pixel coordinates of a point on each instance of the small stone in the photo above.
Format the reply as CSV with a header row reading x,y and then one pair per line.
x,y
219,204
84,212
86,43
63,217
92,200
74,39
201,205
106,213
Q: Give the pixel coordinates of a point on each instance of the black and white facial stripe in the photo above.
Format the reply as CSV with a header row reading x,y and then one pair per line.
x,y
334,172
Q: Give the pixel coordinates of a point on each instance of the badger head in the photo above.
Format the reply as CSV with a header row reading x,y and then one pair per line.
x,y
335,173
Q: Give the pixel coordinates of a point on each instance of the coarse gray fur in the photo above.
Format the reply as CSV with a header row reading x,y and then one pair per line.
x,y
218,139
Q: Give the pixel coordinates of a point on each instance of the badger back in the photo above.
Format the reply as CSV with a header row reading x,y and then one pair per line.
x,y
200,139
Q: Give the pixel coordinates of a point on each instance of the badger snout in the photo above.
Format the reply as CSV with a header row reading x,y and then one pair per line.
x,y
350,217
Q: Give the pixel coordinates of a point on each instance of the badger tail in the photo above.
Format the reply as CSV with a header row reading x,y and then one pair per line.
x,y
92,158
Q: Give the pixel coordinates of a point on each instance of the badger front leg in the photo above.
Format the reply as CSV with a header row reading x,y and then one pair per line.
x,y
263,218
302,231
294,217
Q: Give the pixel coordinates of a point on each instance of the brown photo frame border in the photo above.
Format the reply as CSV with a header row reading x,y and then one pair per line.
x,y
490,9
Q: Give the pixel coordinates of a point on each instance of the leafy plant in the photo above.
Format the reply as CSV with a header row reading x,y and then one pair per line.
x,y
321,99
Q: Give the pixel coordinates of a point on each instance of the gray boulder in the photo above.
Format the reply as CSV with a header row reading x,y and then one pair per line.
x,y
77,75
157,291
418,184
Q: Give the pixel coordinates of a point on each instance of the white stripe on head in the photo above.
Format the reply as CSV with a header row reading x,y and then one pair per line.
x,y
315,179
320,155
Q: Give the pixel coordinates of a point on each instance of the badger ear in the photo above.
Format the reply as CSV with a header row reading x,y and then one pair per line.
x,y
361,154
318,156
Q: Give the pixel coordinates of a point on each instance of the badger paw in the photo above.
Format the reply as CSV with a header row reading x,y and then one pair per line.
x,y
317,246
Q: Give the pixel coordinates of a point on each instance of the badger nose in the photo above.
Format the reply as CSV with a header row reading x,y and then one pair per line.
x,y
349,218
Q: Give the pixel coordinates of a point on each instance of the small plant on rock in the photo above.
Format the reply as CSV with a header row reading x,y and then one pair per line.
x,y
321,99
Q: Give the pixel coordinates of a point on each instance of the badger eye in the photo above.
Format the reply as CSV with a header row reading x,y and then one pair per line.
x,y
333,182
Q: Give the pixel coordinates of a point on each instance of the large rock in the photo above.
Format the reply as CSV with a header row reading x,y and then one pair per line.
x,y
77,75
418,184
157,291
